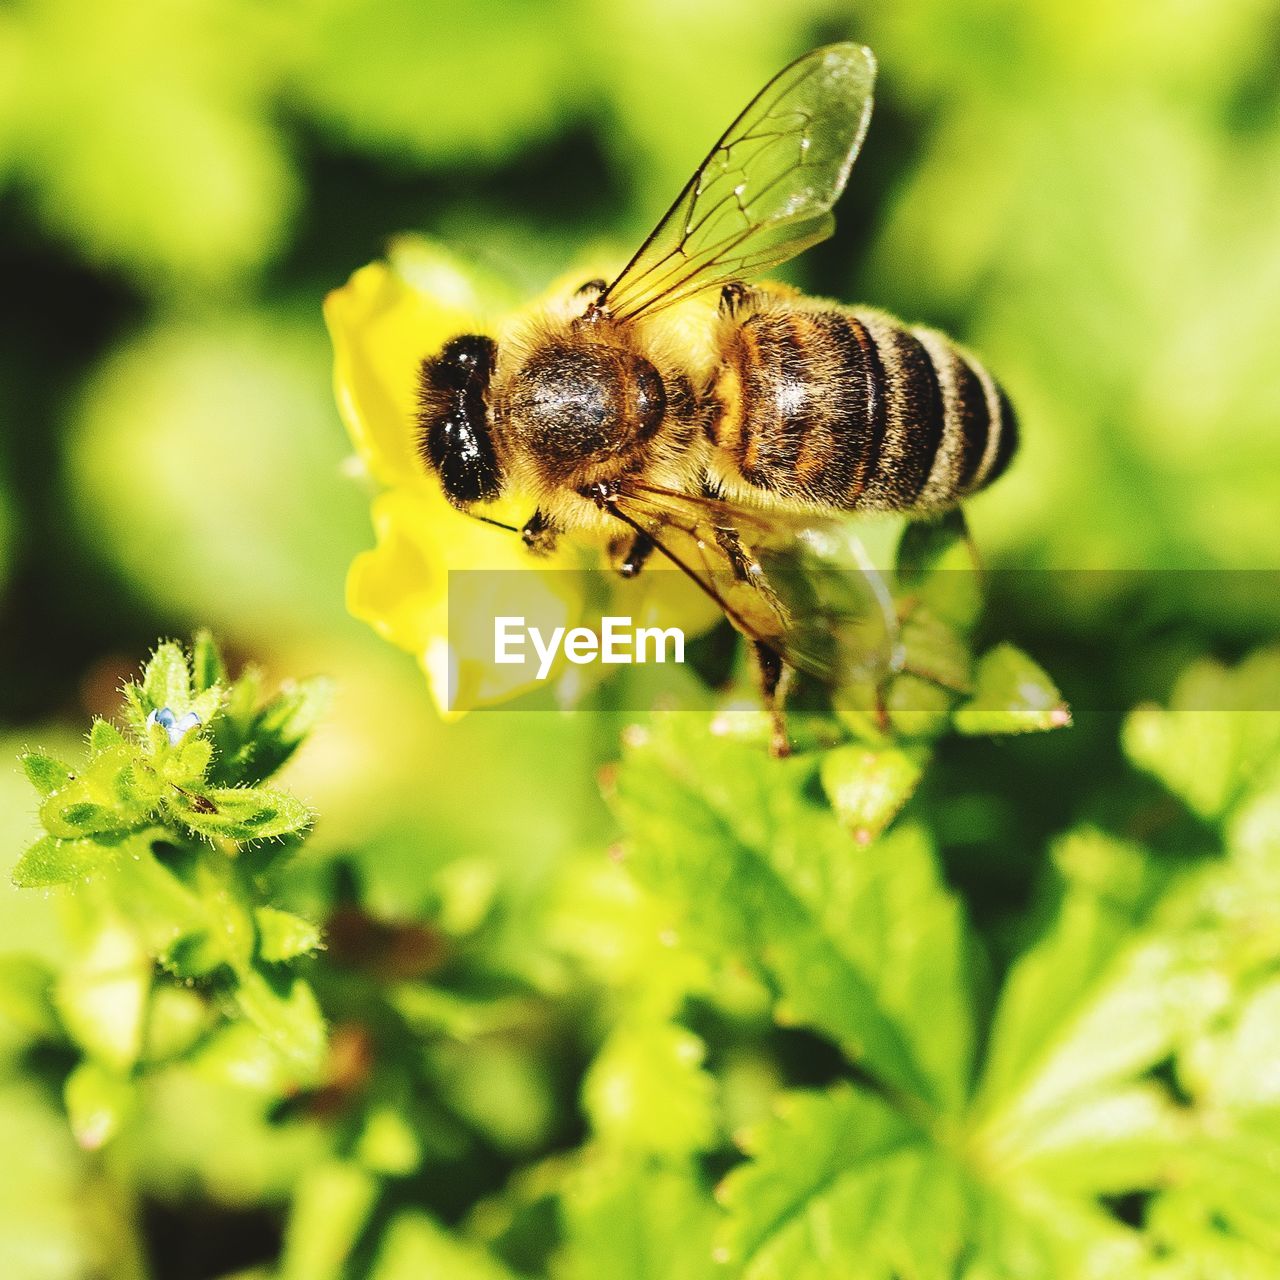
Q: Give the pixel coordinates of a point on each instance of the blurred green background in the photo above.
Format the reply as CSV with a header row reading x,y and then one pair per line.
x,y
1087,194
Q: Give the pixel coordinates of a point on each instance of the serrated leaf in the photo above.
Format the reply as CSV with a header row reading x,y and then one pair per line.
x,y
647,1091
44,772
864,943
1057,980
867,788
1012,694
1101,999
98,1102
839,1184
241,813
283,936
817,1169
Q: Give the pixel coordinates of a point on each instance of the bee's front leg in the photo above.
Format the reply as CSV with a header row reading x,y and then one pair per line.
x,y
775,683
540,534
740,300
736,299
637,555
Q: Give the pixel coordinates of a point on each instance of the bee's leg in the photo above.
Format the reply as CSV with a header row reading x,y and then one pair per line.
x,y
966,534
540,534
775,683
736,298
740,300
637,555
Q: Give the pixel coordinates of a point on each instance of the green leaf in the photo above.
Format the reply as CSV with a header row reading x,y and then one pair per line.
x,y
103,998
283,936
98,1102
636,1220
817,1172
1012,695
936,567
647,1091
166,680
79,810
26,987
282,725
159,904
1220,735
207,667
864,943
330,1209
176,1020
51,861
935,651
1104,997
104,736
45,772
112,793
285,1011
241,813
839,1185
1087,957
388,1143
414,1247
867,787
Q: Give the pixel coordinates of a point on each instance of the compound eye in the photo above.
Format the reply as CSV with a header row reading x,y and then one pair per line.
x,y
465,360
454,438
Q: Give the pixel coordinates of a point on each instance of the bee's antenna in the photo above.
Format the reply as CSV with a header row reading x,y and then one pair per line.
x,y
497,524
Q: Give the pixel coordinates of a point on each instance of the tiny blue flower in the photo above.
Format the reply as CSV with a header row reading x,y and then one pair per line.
x,y
176,729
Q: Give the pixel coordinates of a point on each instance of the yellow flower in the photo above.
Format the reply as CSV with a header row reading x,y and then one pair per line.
x,y
383,321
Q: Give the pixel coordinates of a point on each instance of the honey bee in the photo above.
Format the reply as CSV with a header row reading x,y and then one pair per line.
x,y
731,426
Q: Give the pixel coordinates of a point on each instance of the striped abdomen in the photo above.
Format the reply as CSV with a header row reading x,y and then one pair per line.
x,y
847,408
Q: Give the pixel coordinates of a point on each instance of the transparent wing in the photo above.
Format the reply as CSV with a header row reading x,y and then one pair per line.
x,y
766,190
801,584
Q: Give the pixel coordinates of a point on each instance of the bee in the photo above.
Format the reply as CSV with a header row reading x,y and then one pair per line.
x,y
729,424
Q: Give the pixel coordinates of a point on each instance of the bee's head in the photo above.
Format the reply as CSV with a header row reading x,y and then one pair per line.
x,y
577,407
454,438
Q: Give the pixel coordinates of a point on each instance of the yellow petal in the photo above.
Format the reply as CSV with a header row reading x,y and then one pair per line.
x,y
401,588
382,327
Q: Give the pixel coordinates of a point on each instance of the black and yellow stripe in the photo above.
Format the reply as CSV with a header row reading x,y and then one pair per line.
x,y
847,408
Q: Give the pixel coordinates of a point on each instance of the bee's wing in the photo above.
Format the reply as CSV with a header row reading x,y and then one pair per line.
x,y
766,190
802,584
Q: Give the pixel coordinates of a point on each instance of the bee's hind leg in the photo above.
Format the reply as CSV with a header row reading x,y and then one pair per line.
x,y
775,683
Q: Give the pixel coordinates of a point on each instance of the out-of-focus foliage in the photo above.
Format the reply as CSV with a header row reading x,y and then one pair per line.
x,y
1026,982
